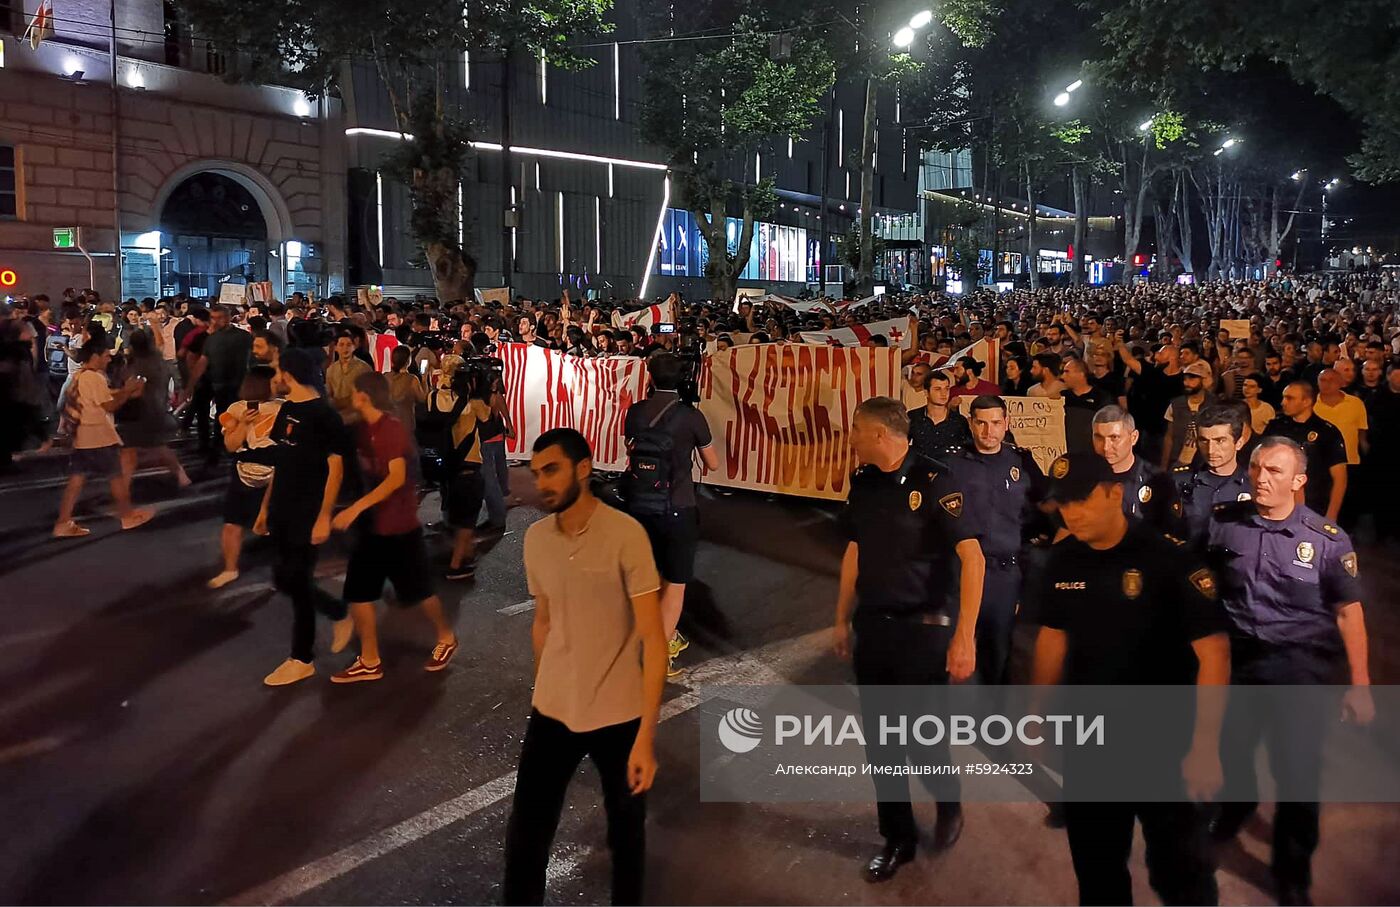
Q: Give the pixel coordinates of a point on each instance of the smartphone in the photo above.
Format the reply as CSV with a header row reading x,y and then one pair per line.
x,y
253,408
665,328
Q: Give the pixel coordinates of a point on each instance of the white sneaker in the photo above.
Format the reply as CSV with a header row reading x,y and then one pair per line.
x,y
341,631
70,530
223,579
289,672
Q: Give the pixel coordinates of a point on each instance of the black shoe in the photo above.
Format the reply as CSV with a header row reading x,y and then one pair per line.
x,y
1055,818
886,863
1294,896
948,827
466,571
1227,823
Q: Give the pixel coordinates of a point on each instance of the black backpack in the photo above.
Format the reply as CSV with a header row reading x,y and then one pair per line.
x,y
650,467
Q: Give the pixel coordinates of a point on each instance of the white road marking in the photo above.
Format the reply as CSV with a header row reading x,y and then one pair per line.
x,y
517,608
763,665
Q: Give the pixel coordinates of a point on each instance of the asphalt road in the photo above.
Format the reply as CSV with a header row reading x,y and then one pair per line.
x,y
142,760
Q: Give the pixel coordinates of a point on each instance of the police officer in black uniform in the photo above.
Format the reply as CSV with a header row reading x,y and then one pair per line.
x,y
938,430
1321,442
1289,582
1004,486
1148,493
911,586
1120,603
1221,478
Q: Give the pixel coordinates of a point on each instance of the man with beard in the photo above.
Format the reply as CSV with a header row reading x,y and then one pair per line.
x,y
600,667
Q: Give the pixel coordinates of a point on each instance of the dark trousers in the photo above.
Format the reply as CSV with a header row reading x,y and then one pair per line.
x,y
548,759
1357,500
893,659
1179,866
1295,749
1001,588
200,401
294,575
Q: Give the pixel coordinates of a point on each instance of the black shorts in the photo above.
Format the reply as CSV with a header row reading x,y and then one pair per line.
x,y
674,538
95,462
241,503
400,559
462,495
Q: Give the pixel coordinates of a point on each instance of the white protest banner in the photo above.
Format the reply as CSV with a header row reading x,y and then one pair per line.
x,y
1238,328
1036,423
780,414
899,331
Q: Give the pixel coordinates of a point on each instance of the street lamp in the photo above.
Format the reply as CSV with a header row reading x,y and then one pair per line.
x,y
1146,124
1062,98
904,37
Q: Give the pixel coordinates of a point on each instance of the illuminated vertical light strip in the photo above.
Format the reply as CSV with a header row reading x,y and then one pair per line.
x,y
757,166
559,219
610,180
848,184
379,209
537,176
875,141
544,80
656,236
840,135
466,69
896,105
513,249
597,235
789,147
461,219
617,82
904,152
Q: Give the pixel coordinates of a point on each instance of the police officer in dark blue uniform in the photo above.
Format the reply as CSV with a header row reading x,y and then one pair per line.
x,y
911,587
938,430
1122,604
1222,477
1004,486
1288,579
1148,493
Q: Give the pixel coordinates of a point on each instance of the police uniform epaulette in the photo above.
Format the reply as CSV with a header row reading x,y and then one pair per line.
x,y
1186,468
1318,524
1173,539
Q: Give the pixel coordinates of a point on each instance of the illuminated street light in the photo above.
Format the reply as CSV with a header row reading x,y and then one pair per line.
x,y
1146,124
1075,85
921,18
1062,99
904,37
1297,175
1230,143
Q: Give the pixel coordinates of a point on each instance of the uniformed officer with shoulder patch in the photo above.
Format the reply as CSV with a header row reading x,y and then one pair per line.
x,y
1148,493
1221,479
1122,604
911,587
1004,486
1289,581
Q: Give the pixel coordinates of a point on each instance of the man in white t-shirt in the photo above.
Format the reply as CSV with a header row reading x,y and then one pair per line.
x,y
90,403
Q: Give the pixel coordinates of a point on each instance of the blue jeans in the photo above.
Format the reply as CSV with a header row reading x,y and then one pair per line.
x,y
493,462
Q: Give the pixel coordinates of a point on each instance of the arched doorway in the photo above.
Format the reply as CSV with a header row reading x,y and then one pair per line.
x,y
212,230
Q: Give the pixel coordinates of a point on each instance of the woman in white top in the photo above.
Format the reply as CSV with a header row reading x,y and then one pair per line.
x,y
89,403
1260,413
247,425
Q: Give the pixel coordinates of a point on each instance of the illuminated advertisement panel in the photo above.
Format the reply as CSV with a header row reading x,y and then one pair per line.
x,y
776,252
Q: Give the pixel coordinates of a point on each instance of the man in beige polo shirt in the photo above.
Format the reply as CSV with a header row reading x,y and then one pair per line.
x,y
600,667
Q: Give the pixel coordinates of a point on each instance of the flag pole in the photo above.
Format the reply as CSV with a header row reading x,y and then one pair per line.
x,y
116,181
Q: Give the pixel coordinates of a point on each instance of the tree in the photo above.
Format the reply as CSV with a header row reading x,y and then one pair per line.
x,y
1349,50
416,49
714,104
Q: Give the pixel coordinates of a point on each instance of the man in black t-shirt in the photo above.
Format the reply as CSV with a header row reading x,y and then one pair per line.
x,y
310,446
1122,604
674,534
1322,443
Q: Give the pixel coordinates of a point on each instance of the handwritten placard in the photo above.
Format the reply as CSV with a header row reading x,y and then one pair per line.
x,y
1238,328
1037,423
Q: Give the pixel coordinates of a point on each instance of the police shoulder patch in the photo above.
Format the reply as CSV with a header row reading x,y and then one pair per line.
x,y
1204,581
1349,563
953,503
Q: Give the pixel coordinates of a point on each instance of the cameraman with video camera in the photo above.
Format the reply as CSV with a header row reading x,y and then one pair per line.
x,y
450,434
663,434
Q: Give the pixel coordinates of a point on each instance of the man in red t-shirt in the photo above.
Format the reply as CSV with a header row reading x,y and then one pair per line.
x,y
389,542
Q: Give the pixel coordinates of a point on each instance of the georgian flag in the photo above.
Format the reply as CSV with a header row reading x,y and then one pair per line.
x,y
900,332
665,313
41,25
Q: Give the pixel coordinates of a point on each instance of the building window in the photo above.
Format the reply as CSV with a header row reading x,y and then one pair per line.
x,y
11,15
9,182
174,33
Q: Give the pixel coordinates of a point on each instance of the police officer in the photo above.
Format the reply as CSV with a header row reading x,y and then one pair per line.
x,y
911,587
938,430
1220,435
1289,583
1004,486
1148,493
1322,444
1120,603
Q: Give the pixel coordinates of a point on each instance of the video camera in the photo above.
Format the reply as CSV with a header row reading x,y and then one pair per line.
x,y
477,376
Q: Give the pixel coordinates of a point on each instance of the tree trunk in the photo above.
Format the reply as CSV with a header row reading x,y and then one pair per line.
x,y
454,272
1032,253
1181,201
1079,181
865,272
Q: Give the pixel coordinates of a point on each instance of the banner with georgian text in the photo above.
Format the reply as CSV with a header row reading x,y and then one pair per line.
x,y
780,414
